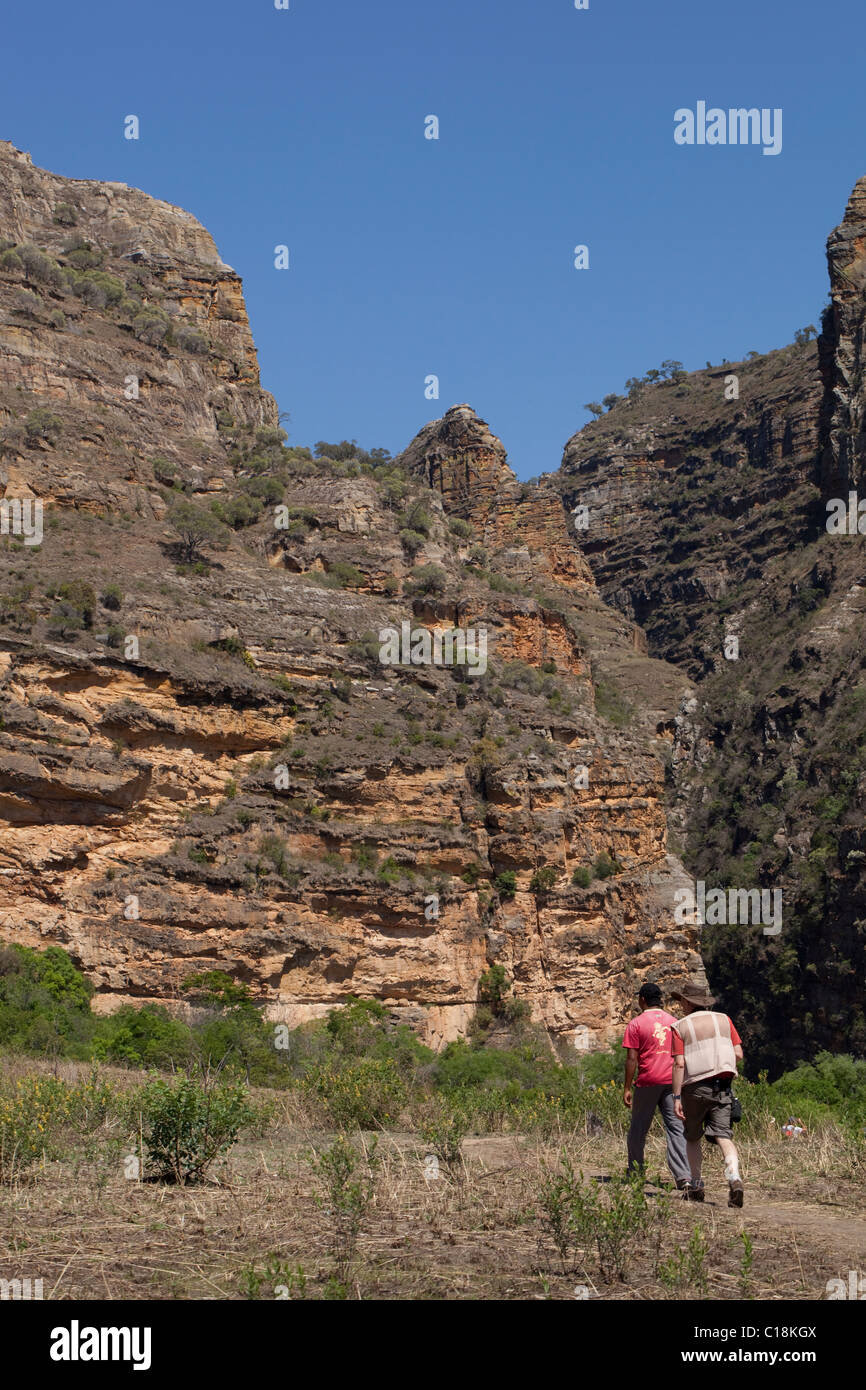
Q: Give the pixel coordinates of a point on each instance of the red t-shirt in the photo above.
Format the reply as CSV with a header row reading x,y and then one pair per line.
x,y
679,1045
650,1035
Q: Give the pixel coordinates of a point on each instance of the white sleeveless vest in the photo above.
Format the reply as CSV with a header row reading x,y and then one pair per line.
x,y
708,1050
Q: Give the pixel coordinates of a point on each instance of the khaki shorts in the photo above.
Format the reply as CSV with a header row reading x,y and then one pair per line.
x,y
707,1111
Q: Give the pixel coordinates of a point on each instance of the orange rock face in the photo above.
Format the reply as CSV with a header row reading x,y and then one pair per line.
x,y
208,764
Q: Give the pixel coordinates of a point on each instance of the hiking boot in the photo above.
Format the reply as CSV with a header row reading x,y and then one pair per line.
x,y
735,1193
682,1184
695,1191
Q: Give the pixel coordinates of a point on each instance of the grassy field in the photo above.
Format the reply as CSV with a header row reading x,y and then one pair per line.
x,y
298,1209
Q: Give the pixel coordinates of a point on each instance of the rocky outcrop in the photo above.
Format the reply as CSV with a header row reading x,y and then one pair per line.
x,y
460,458
842,347
121,321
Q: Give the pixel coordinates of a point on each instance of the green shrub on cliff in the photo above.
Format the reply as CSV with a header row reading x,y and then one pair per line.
x,y
196,529
75,607
38,266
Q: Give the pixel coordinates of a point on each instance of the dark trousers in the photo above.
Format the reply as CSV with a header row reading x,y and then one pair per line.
x,y
644,1101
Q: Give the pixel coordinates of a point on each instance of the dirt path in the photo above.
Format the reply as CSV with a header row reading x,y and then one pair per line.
x,y
844,1236
840,1235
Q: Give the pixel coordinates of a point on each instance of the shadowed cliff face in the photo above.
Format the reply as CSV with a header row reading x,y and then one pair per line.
x,y
691,493
707,525
204,759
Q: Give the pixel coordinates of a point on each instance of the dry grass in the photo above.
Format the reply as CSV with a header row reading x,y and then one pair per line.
x,y
89,1232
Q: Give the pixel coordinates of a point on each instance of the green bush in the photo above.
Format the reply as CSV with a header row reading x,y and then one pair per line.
x,y
97,288
516,1010
347,576
612,705
275,850
605,866
612,1218
150,326
38,1111
389,871
188,339
145,1037
38,266
443,1129
82,254
429,579
417,518
411,541
44,1003
187,1125
517,675
28,304
833,1085
75,607
363,1093
42,424
543,879
493,986
112,597
196,528
506,884
238,512
346,1181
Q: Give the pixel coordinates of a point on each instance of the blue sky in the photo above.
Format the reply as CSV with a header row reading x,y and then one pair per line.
x,y
454,257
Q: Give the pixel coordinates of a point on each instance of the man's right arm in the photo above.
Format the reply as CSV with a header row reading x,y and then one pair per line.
x,y
630,1069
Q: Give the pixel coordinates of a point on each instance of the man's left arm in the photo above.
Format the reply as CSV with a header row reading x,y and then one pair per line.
x,y
677,1084
678,1072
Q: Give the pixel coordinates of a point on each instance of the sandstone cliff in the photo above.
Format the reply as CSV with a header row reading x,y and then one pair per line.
x,y
203,760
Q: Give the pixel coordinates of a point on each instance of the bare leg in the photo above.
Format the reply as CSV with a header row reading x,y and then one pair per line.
x,y
732,1158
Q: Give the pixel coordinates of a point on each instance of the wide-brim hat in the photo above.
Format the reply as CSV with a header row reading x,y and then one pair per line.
x,y
693,994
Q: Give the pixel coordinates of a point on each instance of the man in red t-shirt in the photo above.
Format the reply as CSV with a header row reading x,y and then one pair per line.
x,y
648,1040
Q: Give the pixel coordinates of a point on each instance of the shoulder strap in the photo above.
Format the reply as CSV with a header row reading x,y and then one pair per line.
x,y
716,1025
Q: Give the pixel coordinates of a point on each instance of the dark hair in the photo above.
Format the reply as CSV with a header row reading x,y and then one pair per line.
x,y
650,993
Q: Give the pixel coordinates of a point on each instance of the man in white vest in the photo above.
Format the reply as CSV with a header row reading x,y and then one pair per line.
x,y
706,1048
